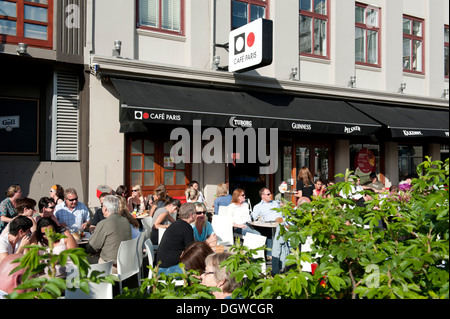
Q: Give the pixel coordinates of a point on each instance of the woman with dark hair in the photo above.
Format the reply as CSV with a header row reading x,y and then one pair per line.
x,y
193,257
57,193
59,246
122,191
163,218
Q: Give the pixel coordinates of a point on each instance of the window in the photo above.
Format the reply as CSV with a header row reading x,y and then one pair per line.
x,y
161,15
446,59
314,28
409,157
413,44
30,22
367,34
246,11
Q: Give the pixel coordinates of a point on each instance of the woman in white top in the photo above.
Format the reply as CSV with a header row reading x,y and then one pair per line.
x,y
241,213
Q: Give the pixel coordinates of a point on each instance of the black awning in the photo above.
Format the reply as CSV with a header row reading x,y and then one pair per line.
x,y
409,122
146,102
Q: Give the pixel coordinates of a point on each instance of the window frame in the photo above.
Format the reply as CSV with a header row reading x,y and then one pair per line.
x,y
446,46
159,28
260,3
412,37
367,27
313,16
20,25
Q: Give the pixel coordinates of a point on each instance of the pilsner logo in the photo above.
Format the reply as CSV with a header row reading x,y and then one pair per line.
x,y
350,130
240,123
412,133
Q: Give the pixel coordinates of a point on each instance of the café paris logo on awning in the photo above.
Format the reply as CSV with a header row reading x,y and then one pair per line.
x,y
9,123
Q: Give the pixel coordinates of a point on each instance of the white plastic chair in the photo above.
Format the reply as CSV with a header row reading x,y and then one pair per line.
x,y
96,291
306,266
147,223
127,261
224,211
140,251
223,227
254,241
160,234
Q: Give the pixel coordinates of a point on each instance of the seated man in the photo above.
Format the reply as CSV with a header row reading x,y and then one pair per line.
x,y
176,238
109,232
71,213
374,184
17,238
265,211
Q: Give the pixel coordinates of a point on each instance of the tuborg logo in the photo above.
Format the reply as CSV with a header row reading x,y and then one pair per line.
x,y
240,123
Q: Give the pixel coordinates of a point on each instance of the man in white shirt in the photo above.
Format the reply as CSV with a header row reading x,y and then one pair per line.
x,y
72,214
17,237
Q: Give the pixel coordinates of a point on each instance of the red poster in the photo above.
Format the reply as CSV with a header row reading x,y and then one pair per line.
x,y
365,160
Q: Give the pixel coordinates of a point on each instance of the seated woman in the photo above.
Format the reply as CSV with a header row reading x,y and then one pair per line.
x,y
194,256
203,230
59,246
123,211
218,276
241,213
163,218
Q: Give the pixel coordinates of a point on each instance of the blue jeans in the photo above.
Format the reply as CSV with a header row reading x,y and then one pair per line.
x,y
170,270
248,229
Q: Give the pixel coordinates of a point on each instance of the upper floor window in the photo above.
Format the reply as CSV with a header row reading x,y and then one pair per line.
x,y
314,28
161,15
28,22
446,59
246,11
413,44
367,34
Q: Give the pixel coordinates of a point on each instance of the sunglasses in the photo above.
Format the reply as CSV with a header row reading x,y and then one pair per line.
x,y
135,190
268,194
202,212
72,200
50,207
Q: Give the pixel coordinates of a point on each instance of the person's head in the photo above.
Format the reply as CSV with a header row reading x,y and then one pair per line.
x,y
20,226
394,189
123,206
173,205
187,212
200,210
102,197
160,194
122,190
193,257
14,192
192,194
238,196
57,191
193,184
216,275
46,206
136,191
318,184
110,205
71,198
8,281
303,200
42,225
305,175
26,206
373,177
221,190
265,194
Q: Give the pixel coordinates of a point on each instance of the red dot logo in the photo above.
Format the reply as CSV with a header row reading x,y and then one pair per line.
x,y
251,39
146,116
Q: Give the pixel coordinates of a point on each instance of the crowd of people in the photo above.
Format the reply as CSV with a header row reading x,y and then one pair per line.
x,y
189,236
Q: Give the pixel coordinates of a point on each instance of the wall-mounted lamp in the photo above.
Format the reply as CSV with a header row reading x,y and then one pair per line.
x,y
22,48
402,88
294,72
352,82
216,62
445,95
117,48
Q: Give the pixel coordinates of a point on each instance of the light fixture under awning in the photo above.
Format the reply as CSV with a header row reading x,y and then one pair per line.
x,y
147,102
409,122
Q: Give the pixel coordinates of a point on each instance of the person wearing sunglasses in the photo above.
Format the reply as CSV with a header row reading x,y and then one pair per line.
x,y
241,213
203,230
72,213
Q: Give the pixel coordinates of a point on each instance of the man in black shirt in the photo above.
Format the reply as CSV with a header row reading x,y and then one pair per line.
x,y
175,239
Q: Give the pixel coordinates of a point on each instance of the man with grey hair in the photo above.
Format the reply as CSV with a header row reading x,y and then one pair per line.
x,y
72,213
176,238
109,232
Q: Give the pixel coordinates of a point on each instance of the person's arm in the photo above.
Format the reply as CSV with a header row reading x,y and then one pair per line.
x,y
160,219
71,243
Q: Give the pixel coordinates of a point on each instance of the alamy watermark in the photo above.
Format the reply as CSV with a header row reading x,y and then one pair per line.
x,y
73,18
241,146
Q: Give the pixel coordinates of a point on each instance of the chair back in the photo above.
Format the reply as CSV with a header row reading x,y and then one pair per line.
x,y
140,248
223,227
150,255
224,211
160,234
254,241
147,223
127,259
96,291
306,266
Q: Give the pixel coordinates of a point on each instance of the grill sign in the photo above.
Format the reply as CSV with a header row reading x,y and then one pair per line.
x,y
251,46
9,122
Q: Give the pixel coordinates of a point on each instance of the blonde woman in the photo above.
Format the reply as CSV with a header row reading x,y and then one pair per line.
x,y
136,202
192,195
222,197
123,211
203,230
